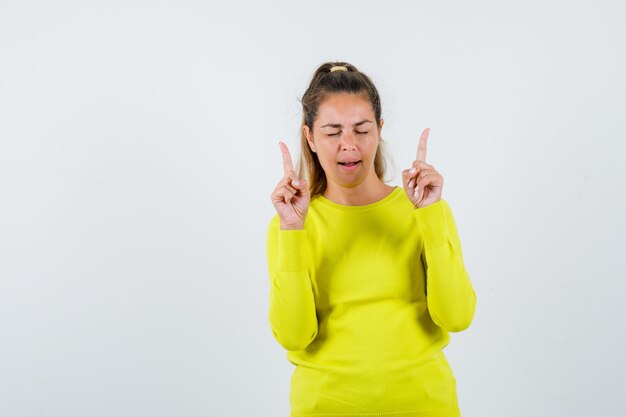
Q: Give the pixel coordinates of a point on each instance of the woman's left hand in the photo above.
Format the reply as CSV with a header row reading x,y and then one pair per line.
x,y
422,183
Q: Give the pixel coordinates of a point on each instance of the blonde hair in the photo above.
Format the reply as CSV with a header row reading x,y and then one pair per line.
x,y
324,83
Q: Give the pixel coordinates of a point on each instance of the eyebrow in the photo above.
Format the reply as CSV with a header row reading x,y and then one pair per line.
x,y
337,125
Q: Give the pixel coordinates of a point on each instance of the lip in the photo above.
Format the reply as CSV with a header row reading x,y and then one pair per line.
x,y
350,168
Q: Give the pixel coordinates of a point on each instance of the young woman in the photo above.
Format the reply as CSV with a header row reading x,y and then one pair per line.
x,y
366,279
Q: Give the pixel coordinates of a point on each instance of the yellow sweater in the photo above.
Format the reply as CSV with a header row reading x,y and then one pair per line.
x,y
363,299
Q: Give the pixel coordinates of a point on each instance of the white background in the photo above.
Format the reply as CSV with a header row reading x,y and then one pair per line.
x,y
139,148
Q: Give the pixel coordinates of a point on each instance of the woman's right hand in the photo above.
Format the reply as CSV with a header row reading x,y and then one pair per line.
x,y
291,196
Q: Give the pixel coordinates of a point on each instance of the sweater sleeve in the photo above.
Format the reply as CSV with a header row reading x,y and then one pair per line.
x,y
449,293
292,313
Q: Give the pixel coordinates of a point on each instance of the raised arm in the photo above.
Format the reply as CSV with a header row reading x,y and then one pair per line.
x,y
449,293
292,306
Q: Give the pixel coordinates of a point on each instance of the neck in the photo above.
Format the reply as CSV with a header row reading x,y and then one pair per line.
x,y
367,192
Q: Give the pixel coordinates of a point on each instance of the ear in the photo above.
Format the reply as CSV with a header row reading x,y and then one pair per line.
x,y
309,137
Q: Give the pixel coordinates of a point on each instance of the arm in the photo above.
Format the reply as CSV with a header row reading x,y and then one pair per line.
x,y
292,306
449,293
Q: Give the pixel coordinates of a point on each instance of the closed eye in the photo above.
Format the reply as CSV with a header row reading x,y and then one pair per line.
x,y
338,133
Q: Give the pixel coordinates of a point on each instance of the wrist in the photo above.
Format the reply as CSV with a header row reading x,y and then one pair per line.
x,y
291,226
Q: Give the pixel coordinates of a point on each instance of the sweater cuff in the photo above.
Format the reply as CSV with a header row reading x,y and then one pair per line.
x,y
292,250
432,223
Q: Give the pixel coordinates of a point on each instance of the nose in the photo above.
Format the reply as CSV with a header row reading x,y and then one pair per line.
x,y
347,142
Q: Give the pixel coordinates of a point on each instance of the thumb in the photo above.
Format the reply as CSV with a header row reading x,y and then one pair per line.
x,y
407,175
301,185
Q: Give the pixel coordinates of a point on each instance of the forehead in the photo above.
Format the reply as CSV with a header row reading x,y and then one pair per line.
x,y
345,108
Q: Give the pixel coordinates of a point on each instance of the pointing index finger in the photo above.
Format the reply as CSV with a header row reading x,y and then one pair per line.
x,y
287,164
421,148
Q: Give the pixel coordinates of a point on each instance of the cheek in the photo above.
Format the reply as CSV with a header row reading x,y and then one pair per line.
x,y
372,148
325,157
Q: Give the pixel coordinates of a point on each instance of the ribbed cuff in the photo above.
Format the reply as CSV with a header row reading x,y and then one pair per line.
x,y
292,255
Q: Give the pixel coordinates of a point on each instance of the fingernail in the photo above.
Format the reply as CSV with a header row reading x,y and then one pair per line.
x,y
417,192
411,183
412,171
296,183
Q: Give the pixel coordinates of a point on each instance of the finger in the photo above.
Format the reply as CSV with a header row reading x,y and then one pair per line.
x,y
278,196
290,180
290,188
427,183
282,189
421,182
421,148
287,163
408,178
287,195
424,181
302,186
420,187
423,173
413,172
287,191
421,165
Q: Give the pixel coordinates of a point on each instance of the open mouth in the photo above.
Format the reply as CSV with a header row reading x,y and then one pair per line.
x,y
349,164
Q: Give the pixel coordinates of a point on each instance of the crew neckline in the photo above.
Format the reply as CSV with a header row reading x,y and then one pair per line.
x,y
386,199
